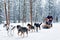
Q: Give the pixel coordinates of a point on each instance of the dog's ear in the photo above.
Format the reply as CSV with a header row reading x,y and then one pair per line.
x,y
4,25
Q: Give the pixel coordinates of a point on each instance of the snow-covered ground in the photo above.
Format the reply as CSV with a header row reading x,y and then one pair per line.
x,y
43,34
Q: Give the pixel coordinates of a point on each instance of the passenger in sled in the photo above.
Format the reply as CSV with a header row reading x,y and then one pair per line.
x,y
48,23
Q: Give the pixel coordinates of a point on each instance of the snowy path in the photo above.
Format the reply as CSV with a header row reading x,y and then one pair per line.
x,y
43,34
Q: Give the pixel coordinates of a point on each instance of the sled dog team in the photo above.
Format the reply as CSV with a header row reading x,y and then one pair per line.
x,y
37,26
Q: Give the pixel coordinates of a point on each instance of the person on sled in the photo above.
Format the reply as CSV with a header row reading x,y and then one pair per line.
x,y
48,20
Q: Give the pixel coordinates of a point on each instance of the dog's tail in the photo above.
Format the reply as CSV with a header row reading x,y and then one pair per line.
x,y
40,23
13,28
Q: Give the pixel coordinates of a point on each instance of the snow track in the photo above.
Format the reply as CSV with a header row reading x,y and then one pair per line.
x,y
43,34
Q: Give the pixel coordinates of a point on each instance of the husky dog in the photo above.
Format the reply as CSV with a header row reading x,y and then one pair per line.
x,y
22,30
5,25
37,25
30,27
9,28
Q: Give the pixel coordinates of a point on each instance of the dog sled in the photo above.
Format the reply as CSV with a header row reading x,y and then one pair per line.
x,y
48,22
46,26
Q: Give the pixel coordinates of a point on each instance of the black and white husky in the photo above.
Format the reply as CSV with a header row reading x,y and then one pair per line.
x,y
20,29
9,29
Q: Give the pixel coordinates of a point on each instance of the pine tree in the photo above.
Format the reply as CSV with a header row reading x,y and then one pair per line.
x,y
19,13
8,12
24,12
5,11
0,12
31,11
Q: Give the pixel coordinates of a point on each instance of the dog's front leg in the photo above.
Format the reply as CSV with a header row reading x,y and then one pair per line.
x,y
8,33
39,28
13,30
18,33
23,34
27,33
36,29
